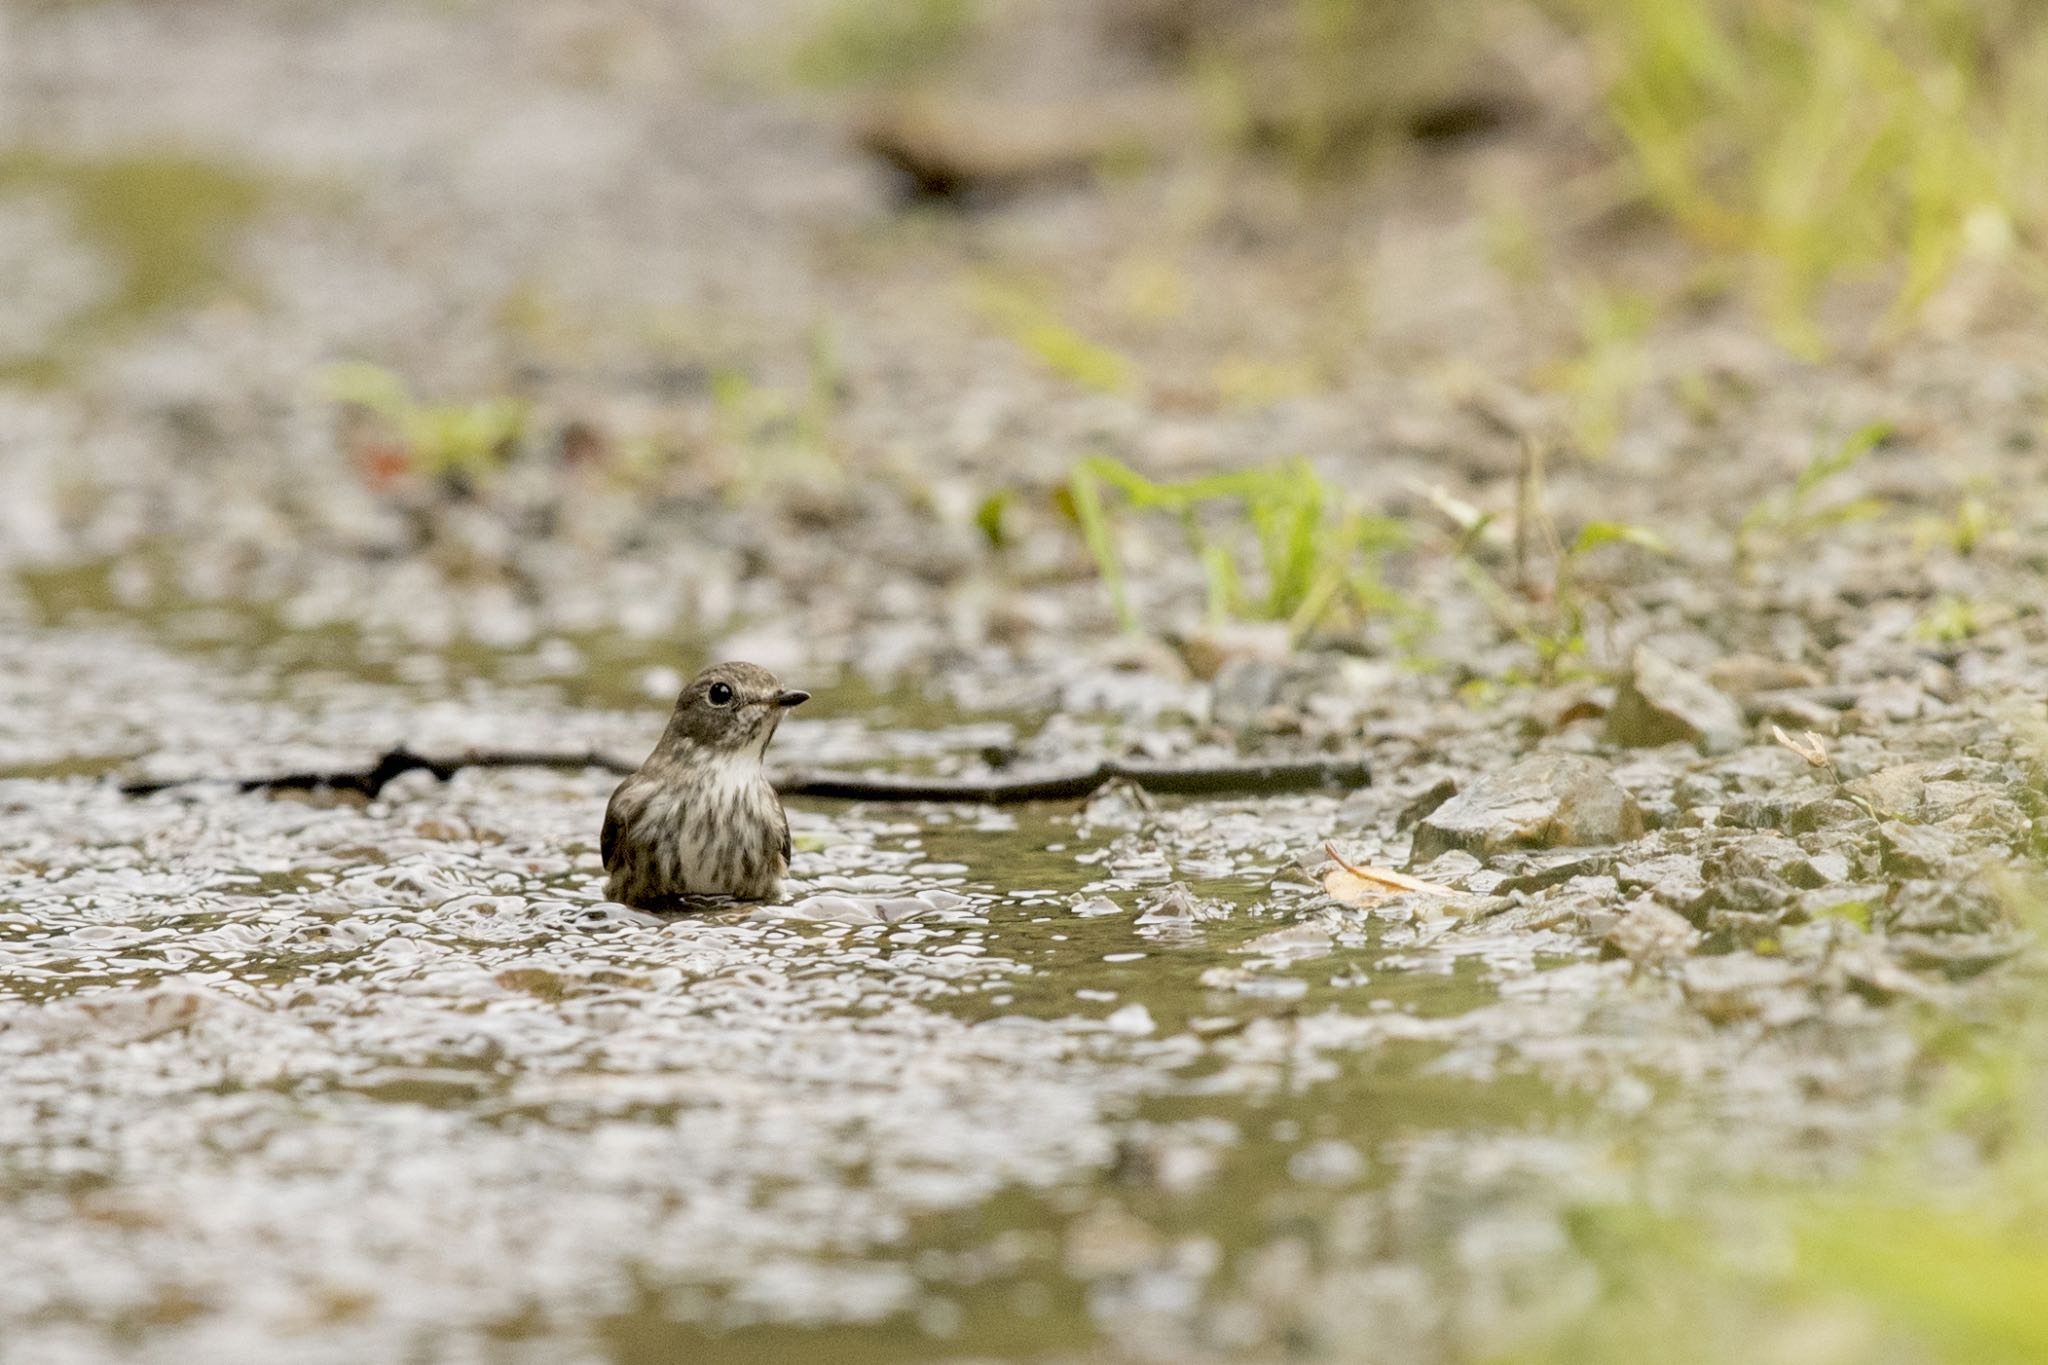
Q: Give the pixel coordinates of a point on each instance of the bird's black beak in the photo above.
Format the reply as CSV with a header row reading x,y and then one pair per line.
x,y
792,698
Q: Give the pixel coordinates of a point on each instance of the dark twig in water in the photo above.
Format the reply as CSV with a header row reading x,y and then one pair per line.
x,y
1207,779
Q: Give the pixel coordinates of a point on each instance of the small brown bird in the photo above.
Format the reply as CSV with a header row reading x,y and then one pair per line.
x,y
700,817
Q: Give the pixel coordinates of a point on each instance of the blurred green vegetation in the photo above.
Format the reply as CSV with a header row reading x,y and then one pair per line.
x,y
1802,509
1036,329
1275,542
768,435
461,443
1834,138
164,223
1605,365
879,42
1935,1253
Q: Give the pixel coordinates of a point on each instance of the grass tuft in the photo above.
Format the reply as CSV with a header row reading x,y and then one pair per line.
x,y
1833,140
1275,543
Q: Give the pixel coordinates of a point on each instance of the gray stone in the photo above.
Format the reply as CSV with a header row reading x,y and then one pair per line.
x,y
1743,895
1118,804
1650,934
1453,869
1896,791
1826,812
1759,856
1735,987
1752,812
1175,906
1697,789
1438,792
1660,703
1957,956
1244,690
1944,907
1543,801
1673,878
1536,871
1798,714
1208,652
1746,675
1822,869
1915,850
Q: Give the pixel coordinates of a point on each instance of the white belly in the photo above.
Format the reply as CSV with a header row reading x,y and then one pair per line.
x,y
699,830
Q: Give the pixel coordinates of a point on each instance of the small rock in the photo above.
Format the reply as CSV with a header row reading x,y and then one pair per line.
x,y
1244,691
1915,850
1438,792
1957,956
1744,675
1329,1162
1118,804
1751,812
1562,707
1453,869
1897,791
1849,902
1732,929
1696,789
1741,895
1295,942
1208,651
1944,907
1795,712
1132,1020
1699,817
1673,878
1739,986
1544,801
1651,935
1892,700
1108,1241
1761,857
1827,812
1865,969
1822,869
1535,872
1140,654
1177,907
1660,703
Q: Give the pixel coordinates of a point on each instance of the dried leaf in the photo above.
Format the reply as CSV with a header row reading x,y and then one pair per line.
x,y
1813,749
1368,885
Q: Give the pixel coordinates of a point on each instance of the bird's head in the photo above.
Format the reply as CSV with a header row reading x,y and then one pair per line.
x,y
731,709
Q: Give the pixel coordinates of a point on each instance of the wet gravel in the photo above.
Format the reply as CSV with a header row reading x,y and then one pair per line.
x,y
354,1080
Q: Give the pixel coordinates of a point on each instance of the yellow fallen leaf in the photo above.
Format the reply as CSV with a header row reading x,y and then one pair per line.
x,y
1385,876
1355,885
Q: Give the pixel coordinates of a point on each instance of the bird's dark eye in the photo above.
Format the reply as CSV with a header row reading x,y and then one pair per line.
x,y
719,694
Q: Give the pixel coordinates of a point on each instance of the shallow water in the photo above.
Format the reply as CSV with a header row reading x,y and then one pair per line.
x,y
313,1079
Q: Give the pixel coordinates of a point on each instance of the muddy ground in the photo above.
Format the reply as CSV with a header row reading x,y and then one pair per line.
x,y
1728,802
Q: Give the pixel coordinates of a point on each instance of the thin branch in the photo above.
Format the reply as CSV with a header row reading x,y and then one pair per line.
x,y
1243,776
